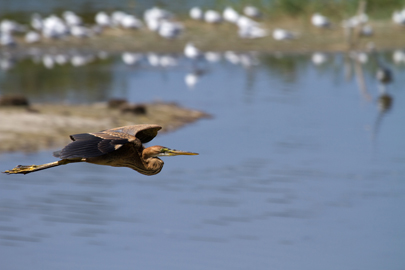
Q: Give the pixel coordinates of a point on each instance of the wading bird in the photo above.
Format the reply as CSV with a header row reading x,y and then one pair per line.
x,y
117,147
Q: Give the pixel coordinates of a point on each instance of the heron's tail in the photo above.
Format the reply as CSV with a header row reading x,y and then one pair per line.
x,y
23,169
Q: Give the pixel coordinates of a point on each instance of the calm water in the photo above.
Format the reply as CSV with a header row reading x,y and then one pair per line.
x,y
298,169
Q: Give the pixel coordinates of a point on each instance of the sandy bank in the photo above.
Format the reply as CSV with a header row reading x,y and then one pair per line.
x,y
49,125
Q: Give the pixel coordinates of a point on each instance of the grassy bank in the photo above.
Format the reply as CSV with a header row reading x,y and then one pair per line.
x,y
223,37
336,9
292,15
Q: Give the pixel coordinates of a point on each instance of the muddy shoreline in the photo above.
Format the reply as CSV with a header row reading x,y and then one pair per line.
x,y
45,126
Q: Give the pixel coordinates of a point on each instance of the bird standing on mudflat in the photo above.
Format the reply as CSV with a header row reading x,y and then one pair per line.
x,y
118,147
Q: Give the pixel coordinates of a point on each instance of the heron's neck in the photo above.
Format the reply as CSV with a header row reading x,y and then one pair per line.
x,y
153,164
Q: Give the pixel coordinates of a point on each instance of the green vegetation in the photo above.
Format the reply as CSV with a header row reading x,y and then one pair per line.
x,y
334,8
338,9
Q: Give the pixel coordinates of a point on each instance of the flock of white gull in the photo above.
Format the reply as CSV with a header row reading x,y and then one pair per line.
x,y
163,22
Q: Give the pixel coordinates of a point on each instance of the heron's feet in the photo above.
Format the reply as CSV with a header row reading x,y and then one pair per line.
x,y
22,169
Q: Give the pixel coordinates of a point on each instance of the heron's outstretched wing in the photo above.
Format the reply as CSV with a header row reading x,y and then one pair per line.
x,y
145,133
87,145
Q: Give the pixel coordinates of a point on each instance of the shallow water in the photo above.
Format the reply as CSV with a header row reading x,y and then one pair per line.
x,y
298,169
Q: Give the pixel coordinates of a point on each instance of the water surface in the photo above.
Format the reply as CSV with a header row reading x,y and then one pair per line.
x,y
298,169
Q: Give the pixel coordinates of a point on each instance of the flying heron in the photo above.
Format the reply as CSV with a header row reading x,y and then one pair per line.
x,y
118,147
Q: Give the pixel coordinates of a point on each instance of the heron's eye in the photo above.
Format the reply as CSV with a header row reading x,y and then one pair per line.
x,y
163,150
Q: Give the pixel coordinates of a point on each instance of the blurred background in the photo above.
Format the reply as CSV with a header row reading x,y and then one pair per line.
x,y
301,163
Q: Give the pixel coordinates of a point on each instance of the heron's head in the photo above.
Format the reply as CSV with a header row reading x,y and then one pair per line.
x,y
160,151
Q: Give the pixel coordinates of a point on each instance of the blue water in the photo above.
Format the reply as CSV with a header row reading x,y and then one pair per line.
x,y
295,172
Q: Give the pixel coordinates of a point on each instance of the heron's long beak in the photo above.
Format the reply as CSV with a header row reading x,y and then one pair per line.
x,y
173,152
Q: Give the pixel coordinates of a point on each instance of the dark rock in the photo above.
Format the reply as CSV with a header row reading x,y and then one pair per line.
x,y
115,103
138,109
14,100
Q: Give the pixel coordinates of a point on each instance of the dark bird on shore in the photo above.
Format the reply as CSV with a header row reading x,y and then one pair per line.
x,y
117,147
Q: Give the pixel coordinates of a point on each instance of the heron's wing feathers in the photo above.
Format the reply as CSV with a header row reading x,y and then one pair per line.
x,y
145,133
87,145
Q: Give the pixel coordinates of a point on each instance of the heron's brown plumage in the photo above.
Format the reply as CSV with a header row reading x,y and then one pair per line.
x,y
118,147
131,156
86,145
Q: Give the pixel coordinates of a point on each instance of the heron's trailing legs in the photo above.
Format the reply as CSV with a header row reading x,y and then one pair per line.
x,y
22,169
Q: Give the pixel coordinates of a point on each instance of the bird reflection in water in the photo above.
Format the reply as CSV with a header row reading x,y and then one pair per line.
x,y
117,147
385,100
384,77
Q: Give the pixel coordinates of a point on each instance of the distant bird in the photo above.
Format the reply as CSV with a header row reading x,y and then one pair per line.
x,y
102,19
156,13
212,57
7,39
281,34
116,17
361,57
153,25
244,21
196,13
252,11
232,57
319,58
248,28
167,60
355,21
6,63
252,32
153,59
398,17
54,27
154,16
248,60
32,37
71,18
320,21
79,59
7,26
80,31
230,15
169,29
212,16
117,147
48,61
36,22
61,59
191,79
131,58
130,22
191,51
398,56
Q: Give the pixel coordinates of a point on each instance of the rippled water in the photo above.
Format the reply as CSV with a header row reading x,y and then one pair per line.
x,y
298,169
